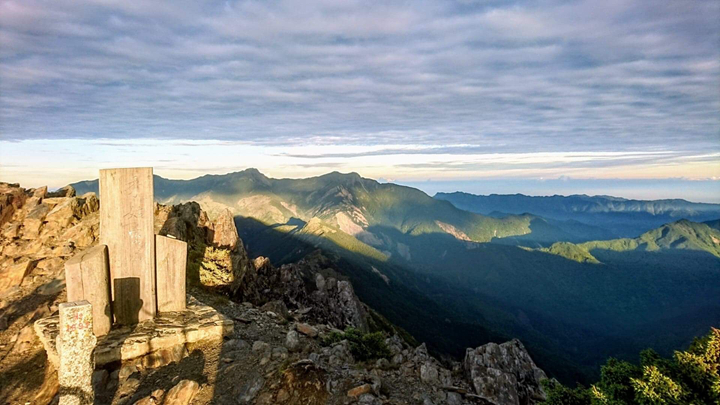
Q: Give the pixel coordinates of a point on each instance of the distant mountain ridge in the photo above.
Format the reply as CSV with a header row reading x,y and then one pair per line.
x,y
624,217
347,202
682,235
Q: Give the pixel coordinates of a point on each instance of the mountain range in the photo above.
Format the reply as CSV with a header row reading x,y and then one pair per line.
x,y
577,278
619,216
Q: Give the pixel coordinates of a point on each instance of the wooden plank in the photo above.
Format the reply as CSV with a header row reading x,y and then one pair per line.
x,y
126,227
171,262
87,277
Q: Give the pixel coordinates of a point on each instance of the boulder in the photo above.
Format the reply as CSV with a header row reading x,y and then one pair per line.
x,y
292,341
360,390
65,213
40,192
12,197
306,330
67,191
182,393
34,220
504,374
247,392
224,231
277,307
13,275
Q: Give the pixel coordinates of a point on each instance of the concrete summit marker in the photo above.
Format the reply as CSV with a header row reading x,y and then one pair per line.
x,y
76,343
126,227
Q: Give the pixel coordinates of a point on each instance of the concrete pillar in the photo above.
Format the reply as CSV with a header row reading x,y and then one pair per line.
x,y
87,277
171,262
126,227
76,343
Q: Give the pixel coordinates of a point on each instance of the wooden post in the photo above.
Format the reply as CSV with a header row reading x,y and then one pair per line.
x,y
88,278
171,265
126,227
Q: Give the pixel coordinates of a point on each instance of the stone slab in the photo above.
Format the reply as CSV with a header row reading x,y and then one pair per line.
x,y
126,227
87,278
171,266
198,322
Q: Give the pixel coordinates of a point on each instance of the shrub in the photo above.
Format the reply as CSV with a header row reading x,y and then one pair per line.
x,y
363,347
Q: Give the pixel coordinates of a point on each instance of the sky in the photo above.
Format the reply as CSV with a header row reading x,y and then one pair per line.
x,y
543,97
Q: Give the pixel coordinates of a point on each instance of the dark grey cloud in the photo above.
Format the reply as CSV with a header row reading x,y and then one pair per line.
x,y
506,76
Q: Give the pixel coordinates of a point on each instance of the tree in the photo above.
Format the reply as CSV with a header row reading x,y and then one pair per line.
x,y
689,377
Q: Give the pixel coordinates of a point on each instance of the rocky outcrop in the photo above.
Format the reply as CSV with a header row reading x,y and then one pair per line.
x,y
12,197
504,374
224,231
67,191
334,302
41,231
217,257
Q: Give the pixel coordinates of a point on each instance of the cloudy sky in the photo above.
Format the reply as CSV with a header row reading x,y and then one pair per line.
x,y
542,97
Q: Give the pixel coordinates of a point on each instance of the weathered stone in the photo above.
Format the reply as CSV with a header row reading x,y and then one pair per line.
x,y
64,213
171,265
126,227
249,390
87,277
306,330
225,233
260,346
90,203
24,340
504,374
49,264
429,373
67,191
156,397
40,192
369,399
163,357
13,275
12,197
360,390
278,307
76,343
182,393
292,341
34,220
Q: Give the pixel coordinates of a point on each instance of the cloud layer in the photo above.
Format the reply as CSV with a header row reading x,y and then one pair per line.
x,y
560,75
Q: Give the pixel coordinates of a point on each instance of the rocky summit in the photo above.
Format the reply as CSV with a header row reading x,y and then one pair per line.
x,y
301,335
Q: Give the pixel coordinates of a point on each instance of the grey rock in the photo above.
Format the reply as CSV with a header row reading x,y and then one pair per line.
x,y
249,390
429,374
260,346
453,398
292,341
369,399
504,374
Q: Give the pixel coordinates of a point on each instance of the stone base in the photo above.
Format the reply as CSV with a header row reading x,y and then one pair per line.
x,y
167,330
